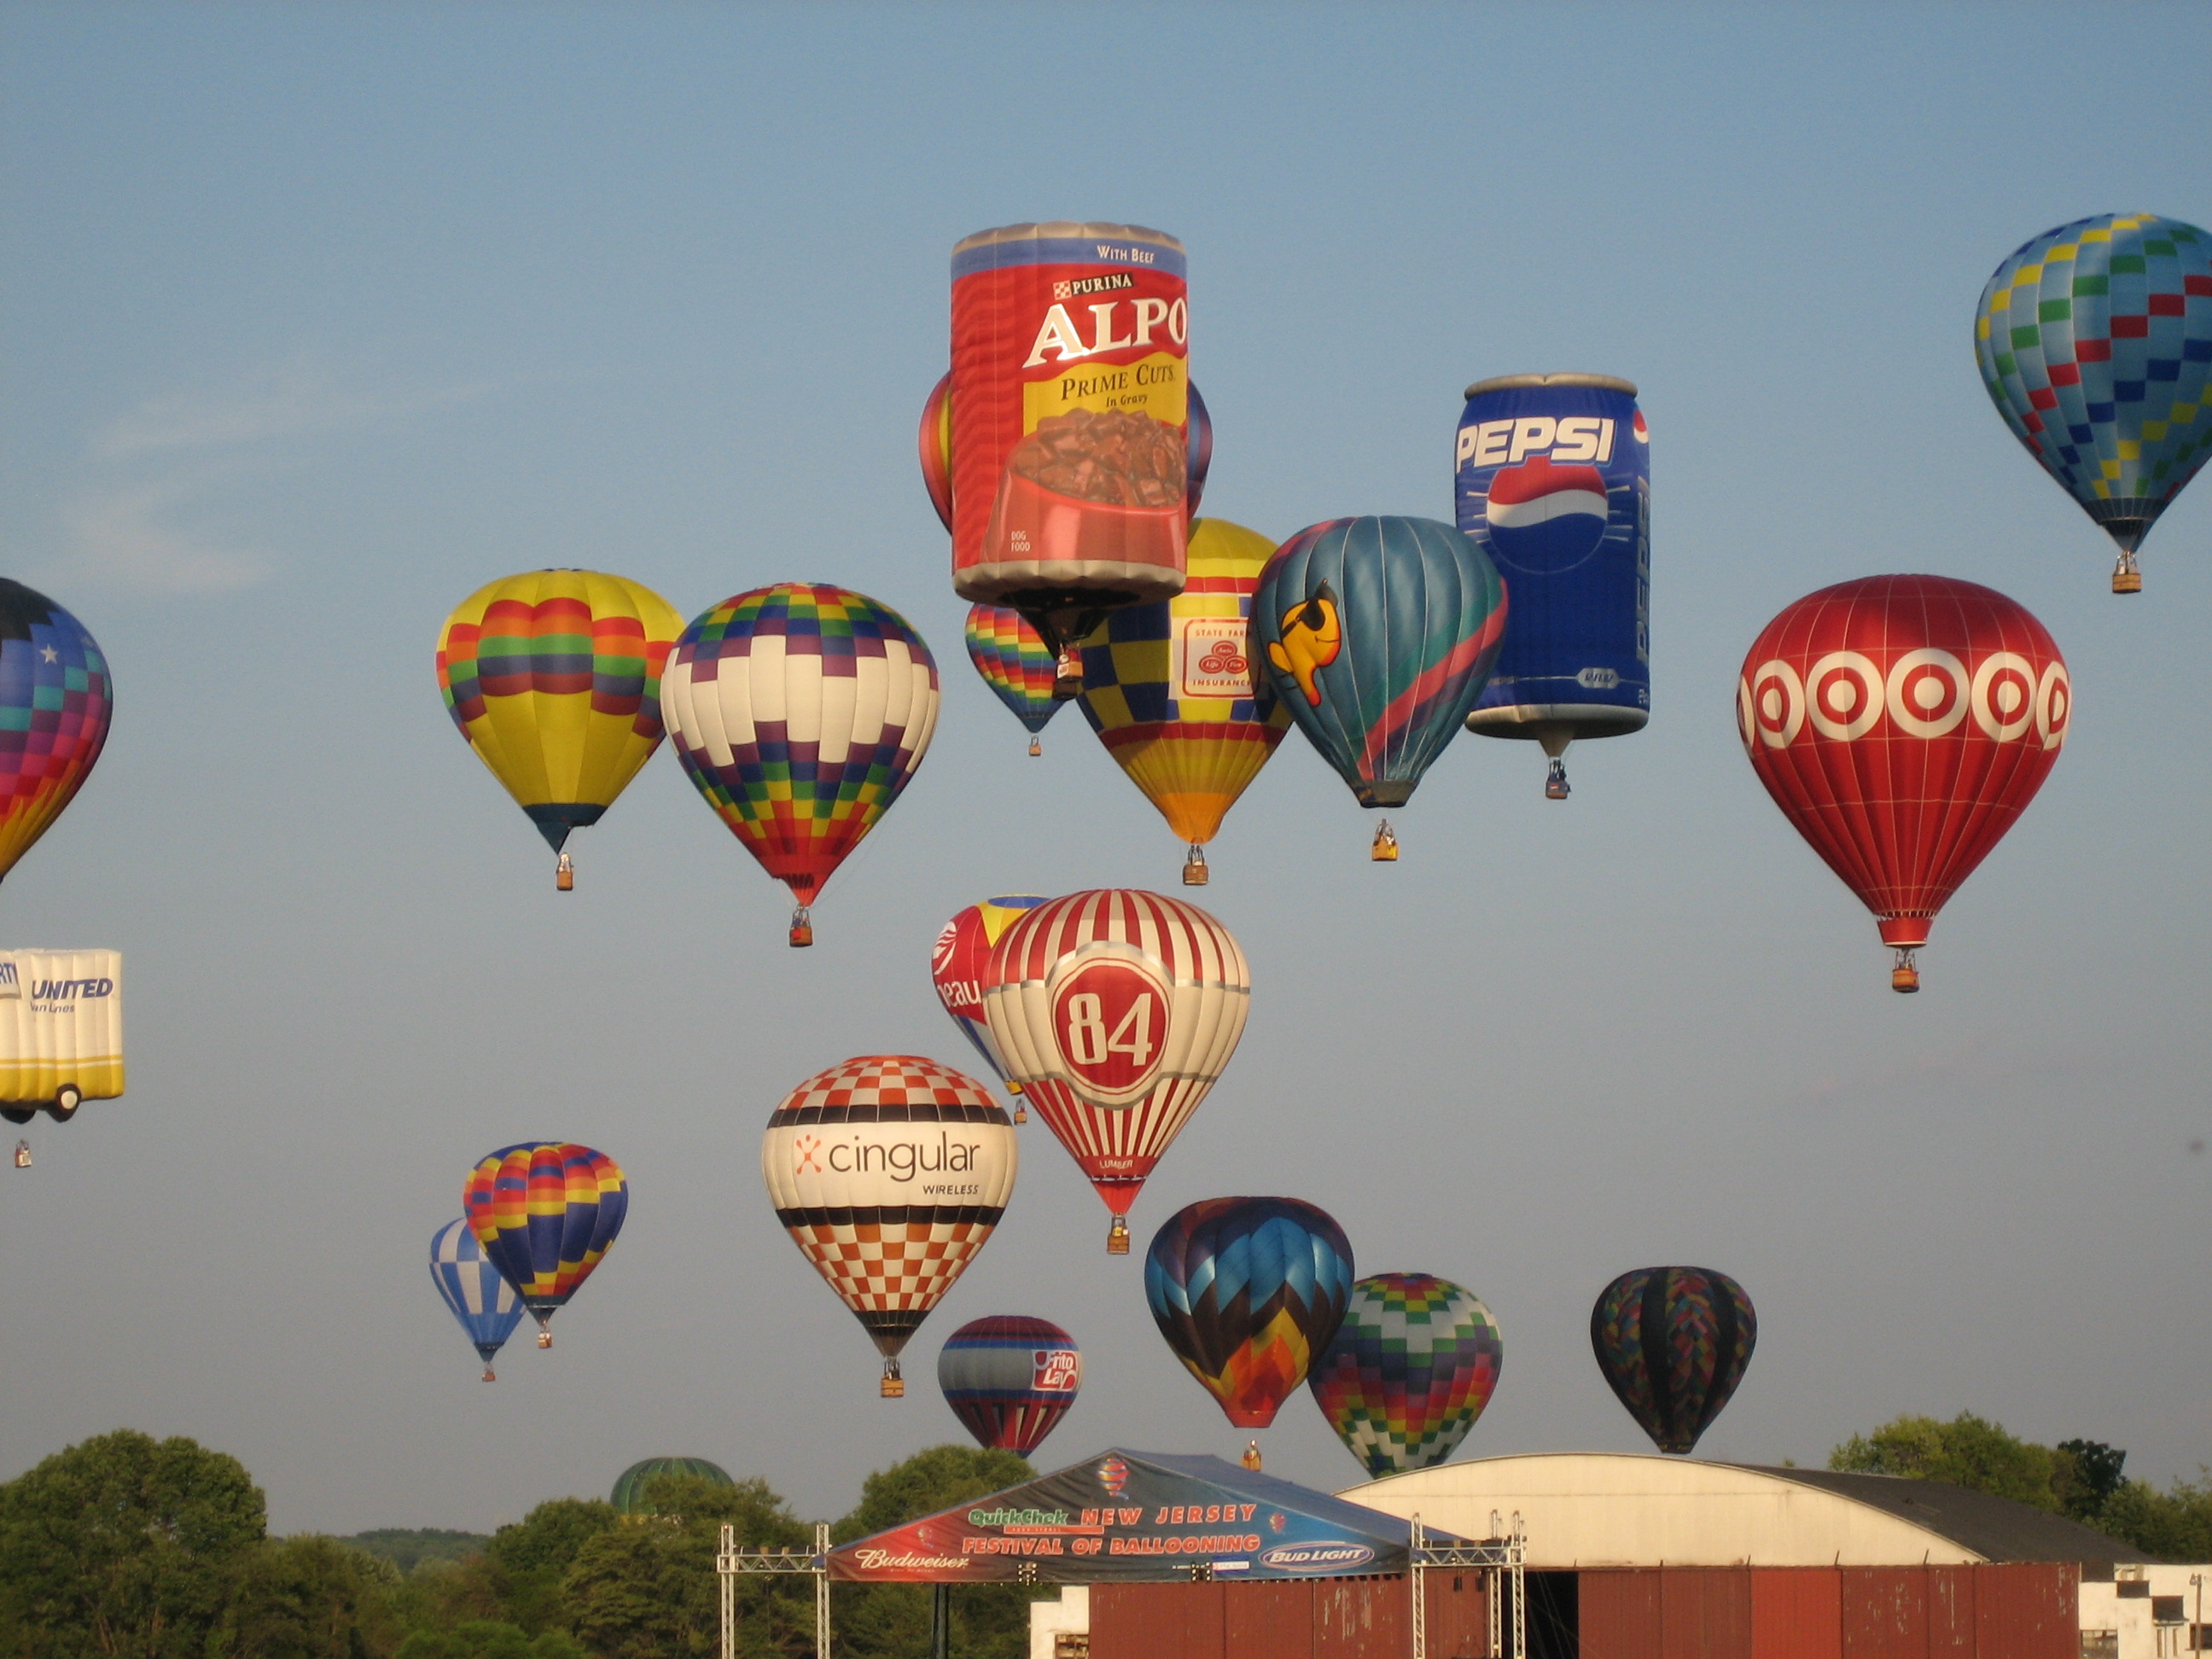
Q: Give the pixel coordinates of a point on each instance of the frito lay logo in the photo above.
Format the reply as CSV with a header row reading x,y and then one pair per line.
x,y
1055,1372
1324,1555
1503,443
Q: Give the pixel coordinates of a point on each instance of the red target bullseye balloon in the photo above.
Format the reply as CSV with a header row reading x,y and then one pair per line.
x,y
1902,723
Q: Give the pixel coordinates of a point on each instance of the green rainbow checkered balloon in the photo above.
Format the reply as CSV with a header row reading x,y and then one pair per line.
x,y
2095,343
1410,1369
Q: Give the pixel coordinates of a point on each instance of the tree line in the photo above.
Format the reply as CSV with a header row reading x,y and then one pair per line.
x,y
127,1547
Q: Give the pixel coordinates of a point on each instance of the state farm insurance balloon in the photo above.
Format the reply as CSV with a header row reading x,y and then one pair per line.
x,y
1069,412
1115,1010
890,1172
1902,724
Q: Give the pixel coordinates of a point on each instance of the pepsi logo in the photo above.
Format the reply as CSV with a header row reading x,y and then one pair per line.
x,y
1642,432
1541,514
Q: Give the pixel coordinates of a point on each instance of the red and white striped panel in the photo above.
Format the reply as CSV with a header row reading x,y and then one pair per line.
x,y
888,1080
891,1268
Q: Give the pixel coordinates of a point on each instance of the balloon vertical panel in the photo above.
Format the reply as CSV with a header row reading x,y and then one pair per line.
x,y
56,699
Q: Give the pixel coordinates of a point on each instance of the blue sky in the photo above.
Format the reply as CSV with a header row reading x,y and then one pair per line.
x,y
313,320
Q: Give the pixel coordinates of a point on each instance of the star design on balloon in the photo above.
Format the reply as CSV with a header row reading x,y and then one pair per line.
x,y
48,653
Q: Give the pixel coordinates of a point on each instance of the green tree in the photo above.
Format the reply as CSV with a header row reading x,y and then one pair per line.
x,y
488,1638
2088,1474
1967,1452
408,1547
2175,1525
891,1621
124,1547
310,1597
529,1559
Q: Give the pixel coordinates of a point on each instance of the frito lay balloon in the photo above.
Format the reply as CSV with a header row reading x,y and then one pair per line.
x,y
1902,724
1170,690
1010,1379
799,713
1069,412
56,699
2094,341
554,678
890,1172
1115,1010
546,1212
956,963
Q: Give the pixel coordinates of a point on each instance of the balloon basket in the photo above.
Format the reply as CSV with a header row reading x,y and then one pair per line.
x,y
489,1374
1036,747
1384,847
1021,1111
1905,975
22,1154
894,1385
802,928
564,875
1117,1237
1555,782
544,1339
1251,1458
1067,675
1194,872
2126,578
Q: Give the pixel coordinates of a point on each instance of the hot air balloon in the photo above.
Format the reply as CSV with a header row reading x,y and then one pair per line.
x,y
955,968
1673,1343
2095,343
1902,723
545,1211
1068,422
800,712
1013,661
56,699
1554,483
1378,635
1249,1292
890,1172
628,1495
1115,1010
1412,1367
933,443
1169,687
554,678
485,1304
1010,1379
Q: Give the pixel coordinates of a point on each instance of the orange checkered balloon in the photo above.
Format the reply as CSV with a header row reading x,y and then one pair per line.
x,y
889,1171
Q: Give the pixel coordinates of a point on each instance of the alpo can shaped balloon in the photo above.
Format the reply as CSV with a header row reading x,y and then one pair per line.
x,y
1069,416
1553,480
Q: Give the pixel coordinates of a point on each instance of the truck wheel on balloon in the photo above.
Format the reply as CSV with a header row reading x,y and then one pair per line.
x,y
61,1031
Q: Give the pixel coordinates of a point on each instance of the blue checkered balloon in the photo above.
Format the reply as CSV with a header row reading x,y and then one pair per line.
x,y
485,1304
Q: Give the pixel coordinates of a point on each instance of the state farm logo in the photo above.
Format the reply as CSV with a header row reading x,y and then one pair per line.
x,y
1110,1021
1324,1555
1057,1370
1215,657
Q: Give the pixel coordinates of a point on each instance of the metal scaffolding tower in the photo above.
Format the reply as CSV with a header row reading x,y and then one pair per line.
x,y
1498,1558
732,1561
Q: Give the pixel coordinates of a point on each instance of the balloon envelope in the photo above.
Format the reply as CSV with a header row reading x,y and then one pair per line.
x,y
1115,1010
554,678
1673,1343
1411,1368
1010,1379
1902,724
486,1304
1248,1292
56,700
799,713
1378,635
1010,657
956,962
629,1493
1170,688
2095,343
546,1212
890,1172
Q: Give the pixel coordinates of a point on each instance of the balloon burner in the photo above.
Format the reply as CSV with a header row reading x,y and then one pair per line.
x,y
1384,849
1194,872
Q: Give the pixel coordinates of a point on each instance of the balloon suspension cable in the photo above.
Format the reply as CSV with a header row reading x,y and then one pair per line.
x,y
894,1385
1555,784
1905,975
22,1154
1385,849
1194,872
2127,575
802,928
490,1375
1251,1459
1117,1237
564,874
1036,747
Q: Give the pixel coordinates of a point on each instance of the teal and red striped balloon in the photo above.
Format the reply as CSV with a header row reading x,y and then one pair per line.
x,y
1379,634
1673,1343
1412,1365
546,1212
1009,656
2095,342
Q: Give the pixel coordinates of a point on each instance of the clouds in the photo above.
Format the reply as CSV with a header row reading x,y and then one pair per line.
x,y
181,493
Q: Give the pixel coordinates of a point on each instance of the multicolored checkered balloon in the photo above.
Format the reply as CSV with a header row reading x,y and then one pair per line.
x,y
1010,658
2095,343
56,699
1673,1343
1412,1365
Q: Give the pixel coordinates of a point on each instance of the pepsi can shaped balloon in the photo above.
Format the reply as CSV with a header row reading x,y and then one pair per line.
x,y
1553,480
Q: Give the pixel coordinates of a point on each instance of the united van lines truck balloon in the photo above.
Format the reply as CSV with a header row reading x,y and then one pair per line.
x,y
890,1172
1068,412
1554,483
1902,724
1116,1011
61,1031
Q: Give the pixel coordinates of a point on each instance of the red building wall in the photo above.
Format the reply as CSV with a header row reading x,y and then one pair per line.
x,y
1321,1619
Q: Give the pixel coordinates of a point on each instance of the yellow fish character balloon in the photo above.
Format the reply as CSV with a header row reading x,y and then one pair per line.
x,y
1170,689
554,678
